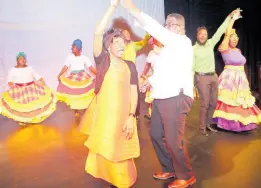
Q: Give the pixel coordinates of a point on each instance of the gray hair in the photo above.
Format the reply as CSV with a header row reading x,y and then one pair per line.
x,y
180,20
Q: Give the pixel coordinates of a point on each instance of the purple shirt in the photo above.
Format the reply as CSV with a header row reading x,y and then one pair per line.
x,y
233,57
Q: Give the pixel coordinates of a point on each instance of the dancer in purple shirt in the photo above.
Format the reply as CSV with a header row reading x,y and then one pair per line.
x,y
236,109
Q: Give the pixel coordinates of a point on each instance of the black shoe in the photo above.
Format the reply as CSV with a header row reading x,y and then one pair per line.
x,y
212,129
203,132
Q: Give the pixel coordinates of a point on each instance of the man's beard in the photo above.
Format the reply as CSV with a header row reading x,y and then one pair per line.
x,y
202,43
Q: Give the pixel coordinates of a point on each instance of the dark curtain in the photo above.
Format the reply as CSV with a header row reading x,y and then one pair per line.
x,y
211,13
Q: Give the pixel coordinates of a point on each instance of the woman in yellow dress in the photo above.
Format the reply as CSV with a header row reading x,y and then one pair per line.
x,y
110,119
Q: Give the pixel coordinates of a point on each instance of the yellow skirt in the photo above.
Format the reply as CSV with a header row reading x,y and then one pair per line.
x,y
122,174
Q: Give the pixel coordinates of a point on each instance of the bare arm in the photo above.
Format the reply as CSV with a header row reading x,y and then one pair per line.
x,y
140,44
134,99
146,69
148,64
42,81
10,78
128,127
64,69
92,69
100,28
221,30
134,81
225,43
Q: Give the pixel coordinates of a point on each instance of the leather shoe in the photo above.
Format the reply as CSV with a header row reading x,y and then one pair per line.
x,y
182,183
212,129
163,175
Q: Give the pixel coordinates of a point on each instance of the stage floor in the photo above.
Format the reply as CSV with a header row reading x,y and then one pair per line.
x,y
52,155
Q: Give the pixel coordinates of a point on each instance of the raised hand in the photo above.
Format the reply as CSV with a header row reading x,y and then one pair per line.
x,y
115,3
237,11
127,3
237,14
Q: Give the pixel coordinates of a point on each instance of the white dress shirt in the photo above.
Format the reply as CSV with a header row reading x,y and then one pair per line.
x,y
174,70
152,58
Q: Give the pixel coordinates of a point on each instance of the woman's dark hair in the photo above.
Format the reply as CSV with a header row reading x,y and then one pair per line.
x,y
110,35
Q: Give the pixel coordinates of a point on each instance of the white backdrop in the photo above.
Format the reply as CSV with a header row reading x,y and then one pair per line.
x,y
45,30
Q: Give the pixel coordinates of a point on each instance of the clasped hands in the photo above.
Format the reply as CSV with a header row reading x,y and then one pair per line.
x,y
124,3
236,14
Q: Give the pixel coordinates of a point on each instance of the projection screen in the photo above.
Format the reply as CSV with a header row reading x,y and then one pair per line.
x,y
45,29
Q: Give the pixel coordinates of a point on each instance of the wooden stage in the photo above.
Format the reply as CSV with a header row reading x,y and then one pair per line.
x,y
52,155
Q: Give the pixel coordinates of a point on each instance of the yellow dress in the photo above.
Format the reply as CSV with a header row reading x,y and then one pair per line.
x,y
110,153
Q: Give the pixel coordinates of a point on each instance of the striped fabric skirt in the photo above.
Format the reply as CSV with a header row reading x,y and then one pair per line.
x,y
236,109
76,90
28,103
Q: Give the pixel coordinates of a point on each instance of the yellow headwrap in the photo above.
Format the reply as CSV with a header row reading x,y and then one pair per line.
x,y
233,32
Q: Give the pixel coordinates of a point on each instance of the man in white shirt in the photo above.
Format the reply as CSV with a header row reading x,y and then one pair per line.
x,y
172,84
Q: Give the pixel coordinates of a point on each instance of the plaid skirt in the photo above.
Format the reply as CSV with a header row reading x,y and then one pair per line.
x,y
28,103
76,90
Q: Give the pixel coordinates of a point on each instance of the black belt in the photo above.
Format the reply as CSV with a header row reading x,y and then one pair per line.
x,y
205,74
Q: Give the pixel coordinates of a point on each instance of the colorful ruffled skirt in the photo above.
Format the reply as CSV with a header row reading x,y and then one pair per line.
x,y
76,90
28,103
236,109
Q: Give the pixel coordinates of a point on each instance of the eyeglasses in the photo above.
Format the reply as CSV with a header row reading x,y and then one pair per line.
x,y
170,25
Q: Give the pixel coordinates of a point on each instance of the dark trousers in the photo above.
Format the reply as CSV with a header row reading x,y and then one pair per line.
x,y
167,134
208,91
